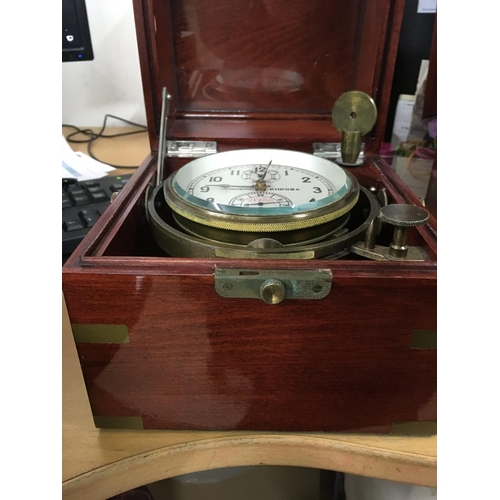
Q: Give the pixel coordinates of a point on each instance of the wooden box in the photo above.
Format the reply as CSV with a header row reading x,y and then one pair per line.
x,y
158,346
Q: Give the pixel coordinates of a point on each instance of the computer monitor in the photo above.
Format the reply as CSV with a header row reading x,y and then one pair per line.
x,y
76,42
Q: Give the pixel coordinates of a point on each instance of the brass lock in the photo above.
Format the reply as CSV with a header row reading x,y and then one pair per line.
x,y
273,286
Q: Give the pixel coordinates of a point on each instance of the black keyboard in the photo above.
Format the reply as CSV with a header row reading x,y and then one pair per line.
x,y
82,204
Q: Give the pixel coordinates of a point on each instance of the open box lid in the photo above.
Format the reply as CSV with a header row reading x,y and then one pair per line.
x,y
264,72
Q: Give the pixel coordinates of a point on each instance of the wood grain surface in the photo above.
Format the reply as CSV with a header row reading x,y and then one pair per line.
x,y
198,361
101,463
268,60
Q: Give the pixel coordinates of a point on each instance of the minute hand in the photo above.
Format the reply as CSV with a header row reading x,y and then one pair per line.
x,y
225,186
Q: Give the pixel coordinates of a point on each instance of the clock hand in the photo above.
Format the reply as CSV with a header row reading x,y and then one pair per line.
x,y
263,176
261,185
225,186
262,203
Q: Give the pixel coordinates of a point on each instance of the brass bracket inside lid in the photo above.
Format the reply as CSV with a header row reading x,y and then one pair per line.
x,y
165,107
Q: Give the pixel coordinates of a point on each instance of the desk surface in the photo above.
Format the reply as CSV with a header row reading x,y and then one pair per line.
x,y
130,150
101,463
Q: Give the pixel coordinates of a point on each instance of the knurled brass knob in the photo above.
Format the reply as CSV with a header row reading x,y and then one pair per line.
x,y
402,217
272,291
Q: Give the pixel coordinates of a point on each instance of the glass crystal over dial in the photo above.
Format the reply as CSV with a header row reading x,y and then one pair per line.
x,y
261,190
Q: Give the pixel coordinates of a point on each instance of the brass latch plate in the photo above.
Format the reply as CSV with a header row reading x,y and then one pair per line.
x,y
273,286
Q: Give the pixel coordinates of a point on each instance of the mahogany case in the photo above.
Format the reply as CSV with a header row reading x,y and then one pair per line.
x,y
158,346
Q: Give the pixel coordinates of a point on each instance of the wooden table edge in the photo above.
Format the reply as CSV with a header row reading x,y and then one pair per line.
x,y
246,450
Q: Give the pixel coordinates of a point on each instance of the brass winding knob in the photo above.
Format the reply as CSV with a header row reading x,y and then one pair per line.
x,y
402,217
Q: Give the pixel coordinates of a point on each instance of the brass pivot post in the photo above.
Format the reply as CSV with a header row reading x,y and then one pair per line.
x,y
354,114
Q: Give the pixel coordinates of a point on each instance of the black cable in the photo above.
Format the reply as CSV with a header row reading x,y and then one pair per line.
x,y
93,136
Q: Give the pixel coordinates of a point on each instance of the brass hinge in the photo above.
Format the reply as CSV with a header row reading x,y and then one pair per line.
x,y
190,149
332,151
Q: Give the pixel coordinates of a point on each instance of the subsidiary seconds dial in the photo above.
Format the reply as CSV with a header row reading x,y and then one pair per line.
x,y
255,199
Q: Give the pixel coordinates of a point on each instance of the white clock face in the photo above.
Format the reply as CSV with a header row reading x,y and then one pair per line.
x,y
261,181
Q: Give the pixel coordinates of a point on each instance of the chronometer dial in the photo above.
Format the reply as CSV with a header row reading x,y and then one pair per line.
x,y
300,186
261,190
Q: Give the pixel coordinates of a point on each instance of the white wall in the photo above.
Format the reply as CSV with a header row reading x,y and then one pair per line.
x,y
111,83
